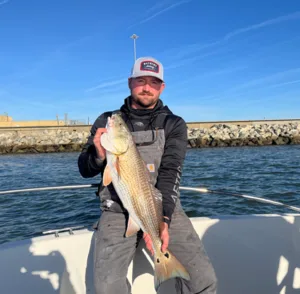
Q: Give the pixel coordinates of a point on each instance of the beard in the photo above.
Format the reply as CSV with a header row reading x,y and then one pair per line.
x,y
145,100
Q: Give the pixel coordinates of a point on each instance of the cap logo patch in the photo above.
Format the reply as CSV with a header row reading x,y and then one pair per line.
x,y
149,66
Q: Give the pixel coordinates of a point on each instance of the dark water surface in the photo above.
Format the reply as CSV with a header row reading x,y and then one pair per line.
x,y
272,172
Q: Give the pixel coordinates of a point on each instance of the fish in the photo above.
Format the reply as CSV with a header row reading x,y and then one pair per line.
x,y
127,172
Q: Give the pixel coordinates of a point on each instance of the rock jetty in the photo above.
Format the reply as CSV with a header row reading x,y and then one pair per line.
x,y
44,141
218,135
222,135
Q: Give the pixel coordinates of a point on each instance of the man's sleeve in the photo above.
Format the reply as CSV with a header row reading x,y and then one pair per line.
x,y
88,163
170,170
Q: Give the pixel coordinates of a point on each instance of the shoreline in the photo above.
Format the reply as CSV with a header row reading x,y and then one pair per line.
x,y
48,149
218,135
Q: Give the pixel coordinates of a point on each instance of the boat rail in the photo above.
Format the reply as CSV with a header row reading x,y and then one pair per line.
x,y
68,229
195,189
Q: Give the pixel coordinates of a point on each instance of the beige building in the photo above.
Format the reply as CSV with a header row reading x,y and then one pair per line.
x,y
7,121
5,118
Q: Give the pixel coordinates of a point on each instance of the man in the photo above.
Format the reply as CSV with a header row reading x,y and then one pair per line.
x,y
161,138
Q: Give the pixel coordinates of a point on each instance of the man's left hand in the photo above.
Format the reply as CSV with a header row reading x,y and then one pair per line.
x,y
164,236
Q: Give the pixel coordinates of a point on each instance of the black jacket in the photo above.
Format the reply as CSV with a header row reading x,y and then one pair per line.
x,y
170,170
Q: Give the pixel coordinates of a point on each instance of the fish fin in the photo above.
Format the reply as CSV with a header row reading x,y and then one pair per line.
x,y
132,227
167,266
107,176
107,144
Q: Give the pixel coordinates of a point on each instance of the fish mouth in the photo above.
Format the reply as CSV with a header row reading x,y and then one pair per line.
x,y
113,119
110,121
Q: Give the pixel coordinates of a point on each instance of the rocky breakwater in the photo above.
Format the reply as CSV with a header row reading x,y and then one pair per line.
x,y
43,141
219,135
228,135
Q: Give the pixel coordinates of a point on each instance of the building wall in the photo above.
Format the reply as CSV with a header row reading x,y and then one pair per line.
x,y
5,118
32,123
7,122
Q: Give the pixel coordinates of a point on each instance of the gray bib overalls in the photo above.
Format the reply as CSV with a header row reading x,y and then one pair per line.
x,y
113,252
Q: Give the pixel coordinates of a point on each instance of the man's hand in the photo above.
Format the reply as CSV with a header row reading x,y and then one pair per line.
x,y
164,236
99,149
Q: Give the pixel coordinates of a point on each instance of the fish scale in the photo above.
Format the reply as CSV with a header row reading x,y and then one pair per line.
x,y
132,175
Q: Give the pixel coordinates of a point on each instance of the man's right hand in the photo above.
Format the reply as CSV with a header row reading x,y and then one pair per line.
x,y
100,150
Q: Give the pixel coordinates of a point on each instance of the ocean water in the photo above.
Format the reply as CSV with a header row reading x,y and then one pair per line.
x,y
272,172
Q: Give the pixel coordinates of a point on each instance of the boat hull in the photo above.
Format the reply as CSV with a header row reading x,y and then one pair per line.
x,y
251,254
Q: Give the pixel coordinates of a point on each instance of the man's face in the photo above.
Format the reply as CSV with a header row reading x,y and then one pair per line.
x,y
145,91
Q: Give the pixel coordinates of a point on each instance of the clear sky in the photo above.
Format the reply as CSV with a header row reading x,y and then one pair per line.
x,y
224,60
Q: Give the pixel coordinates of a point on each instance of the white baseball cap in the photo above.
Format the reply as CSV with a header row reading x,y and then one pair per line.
x,y
147,66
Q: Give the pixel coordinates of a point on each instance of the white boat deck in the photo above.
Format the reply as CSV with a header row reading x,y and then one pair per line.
x,y
251,254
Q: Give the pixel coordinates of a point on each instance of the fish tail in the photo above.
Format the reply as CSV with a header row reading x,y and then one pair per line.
x,y
167,266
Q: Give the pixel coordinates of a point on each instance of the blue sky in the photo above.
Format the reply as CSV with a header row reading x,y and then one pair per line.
x,y
224,60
